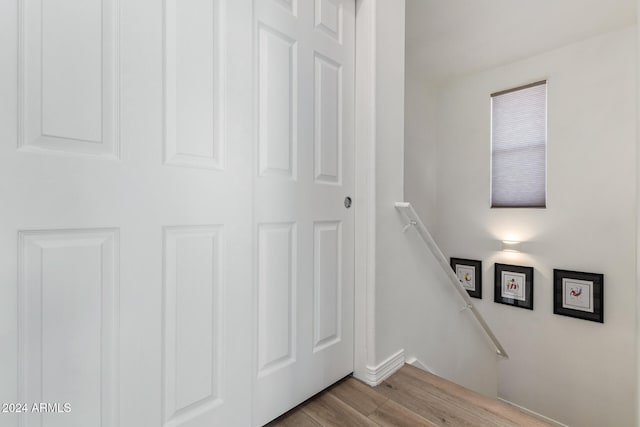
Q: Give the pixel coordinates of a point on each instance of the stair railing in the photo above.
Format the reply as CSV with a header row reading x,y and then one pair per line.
x,y
414,221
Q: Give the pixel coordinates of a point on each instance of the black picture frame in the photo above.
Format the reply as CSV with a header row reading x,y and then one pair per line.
x,y
513,285
469,272
578,294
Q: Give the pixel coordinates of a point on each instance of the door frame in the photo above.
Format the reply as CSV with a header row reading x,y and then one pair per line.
x,y
365,190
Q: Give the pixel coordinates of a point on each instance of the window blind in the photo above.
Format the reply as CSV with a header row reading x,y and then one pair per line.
x,y
518,146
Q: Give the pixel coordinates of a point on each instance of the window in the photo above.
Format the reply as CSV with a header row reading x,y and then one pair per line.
x,y
518,147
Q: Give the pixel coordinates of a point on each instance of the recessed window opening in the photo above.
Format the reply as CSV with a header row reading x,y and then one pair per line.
x,y
519,147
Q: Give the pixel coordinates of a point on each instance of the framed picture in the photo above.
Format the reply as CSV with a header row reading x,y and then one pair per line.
x,y
514,285
470,274
577,294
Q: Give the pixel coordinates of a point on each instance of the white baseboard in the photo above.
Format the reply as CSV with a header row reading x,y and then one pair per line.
x,y
534,414
376,374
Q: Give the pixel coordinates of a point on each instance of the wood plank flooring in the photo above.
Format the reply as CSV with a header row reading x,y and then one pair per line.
x,y
409,398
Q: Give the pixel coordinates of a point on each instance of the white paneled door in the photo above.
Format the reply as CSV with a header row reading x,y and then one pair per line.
x,y
174,245
304,56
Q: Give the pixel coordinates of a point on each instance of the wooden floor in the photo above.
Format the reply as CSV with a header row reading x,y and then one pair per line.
x,y
411,397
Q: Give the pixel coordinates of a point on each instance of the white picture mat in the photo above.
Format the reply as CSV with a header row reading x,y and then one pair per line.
x,y
577,294
513,285
467,276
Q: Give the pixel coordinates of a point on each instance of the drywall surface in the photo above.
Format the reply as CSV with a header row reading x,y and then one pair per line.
x,y
420,157
577,372
416,309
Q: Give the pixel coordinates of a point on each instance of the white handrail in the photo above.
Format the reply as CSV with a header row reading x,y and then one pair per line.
x,y
415,222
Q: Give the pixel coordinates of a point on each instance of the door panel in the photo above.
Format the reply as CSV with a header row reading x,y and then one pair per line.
x,y
276,296
84,370
304,234
192,322
278,103
194,83
328,118
68,102
327,284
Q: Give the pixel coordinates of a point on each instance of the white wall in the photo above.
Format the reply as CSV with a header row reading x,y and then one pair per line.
x,y
389,170
578,372
415,309
421,103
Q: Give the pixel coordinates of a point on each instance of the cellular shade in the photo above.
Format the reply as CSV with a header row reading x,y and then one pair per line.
x,y
518,147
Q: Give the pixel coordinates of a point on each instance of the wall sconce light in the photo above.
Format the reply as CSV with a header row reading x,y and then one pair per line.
x,y
511,246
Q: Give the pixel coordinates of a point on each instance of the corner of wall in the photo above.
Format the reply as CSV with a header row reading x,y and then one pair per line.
x,y
365,200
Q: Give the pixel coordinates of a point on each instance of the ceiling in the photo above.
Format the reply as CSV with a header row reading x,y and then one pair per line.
x,y
452,37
